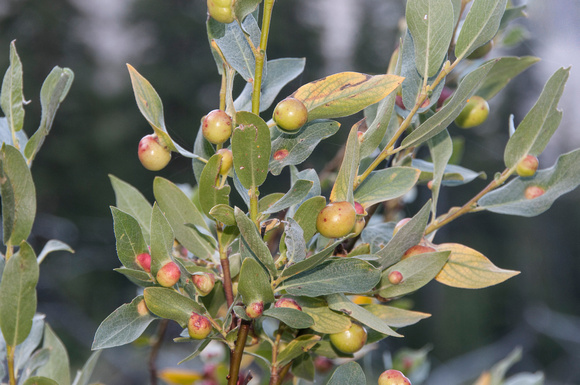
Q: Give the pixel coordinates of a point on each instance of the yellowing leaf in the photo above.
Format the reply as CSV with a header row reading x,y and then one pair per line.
x,y
345,93
469,269
180,376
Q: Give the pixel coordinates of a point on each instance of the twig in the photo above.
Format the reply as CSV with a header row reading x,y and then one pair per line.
x,y
155,350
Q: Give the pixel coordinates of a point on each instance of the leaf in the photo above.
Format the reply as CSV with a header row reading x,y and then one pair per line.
x,y
131,201
22,354
348,374
18,196
500,369
297,347
326,321
204,150
303,367
224,214
122,326
306,215
53,92
180,211
480,26
559,179
394,316
417,271
236,49
377,235
311,261
161,240
343,185
295,195
431,25
39,380
6,135
199,349
242,8
339,302
538,126
502,72
294,318
210,193
84,375
438,122
334,276
280,73
12,98
292,149
386,184
167,303
453,175
139,277
251,149
58,366
51,246
129,238
254,283
294,241
18,295
441,149
409,235
254,241
35,361
469,269
376,131
344,94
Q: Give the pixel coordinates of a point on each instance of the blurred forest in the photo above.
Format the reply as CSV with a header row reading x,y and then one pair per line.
x,y
98,127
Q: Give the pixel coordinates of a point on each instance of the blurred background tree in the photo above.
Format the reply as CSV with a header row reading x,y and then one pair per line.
x,y
99,126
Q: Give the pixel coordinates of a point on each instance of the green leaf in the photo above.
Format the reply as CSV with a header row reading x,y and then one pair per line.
x,y
23,352
280,72
303,367
224,214
210,194
294,241
236,49
377,235
438,122
161,240
84,375
6,135
441,149
431,25
243,8
306,215
311,261
39,380
254,283
12,98
294,318
53,92
129,238
409,235
167,303
394,316
538,126
204,150
453,175
296,347
18,295
386,184
251,149
266,202
376,130
340,302
58,367
131,201
295,195
18,196
139,277
51,246
292,149
559,179
197,351
334,276
512,14
255,243
417,271
480,26
122,326
469,269
343,185
499,370
180,211
344,93
326,321
502,72
348,374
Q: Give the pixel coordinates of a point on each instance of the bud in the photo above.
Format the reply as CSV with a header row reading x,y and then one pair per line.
x,y
142,308
533,192
393,377
287,302
144,260
255,309
417,249
527,166
395,277
400,224
198,326
168,275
